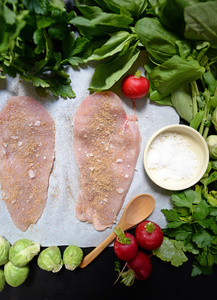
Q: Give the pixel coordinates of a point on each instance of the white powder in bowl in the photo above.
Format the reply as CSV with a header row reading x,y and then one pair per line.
x,y
170,155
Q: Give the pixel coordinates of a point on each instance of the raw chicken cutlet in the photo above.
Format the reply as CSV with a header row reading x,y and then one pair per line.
x,y
26,158
107,145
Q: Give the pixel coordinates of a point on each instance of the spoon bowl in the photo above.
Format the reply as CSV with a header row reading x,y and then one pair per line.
x,y
137,210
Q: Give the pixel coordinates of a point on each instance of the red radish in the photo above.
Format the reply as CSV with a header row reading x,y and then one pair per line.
x,y
135,86
125,246
138,268
149,235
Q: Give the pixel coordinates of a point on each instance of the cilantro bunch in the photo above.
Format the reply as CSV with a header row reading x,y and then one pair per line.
x,y
38,43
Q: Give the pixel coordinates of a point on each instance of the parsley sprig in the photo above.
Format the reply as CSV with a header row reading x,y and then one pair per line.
x,y
38,43
193,223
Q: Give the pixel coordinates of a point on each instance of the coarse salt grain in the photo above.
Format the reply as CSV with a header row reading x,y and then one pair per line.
x,y
31,174
171,157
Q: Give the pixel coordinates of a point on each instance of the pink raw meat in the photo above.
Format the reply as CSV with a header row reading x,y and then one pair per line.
x,y
26,158
107,145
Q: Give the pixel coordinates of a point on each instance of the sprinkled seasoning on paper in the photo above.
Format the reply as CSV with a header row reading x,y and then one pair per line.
x,y
170,155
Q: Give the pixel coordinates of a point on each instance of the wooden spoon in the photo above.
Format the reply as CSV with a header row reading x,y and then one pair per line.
x,y
137,210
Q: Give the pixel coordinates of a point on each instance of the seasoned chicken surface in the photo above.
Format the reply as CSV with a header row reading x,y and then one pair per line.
x,y
107,145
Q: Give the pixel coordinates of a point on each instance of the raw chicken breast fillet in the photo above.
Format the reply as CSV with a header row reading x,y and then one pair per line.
x,y
107,145
26,158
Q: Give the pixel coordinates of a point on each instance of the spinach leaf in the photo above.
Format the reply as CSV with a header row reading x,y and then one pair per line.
x,y
182,101
88,10
160,43
118,42
211,82
106,74
134,7
201,22
101,24
175,73
171,14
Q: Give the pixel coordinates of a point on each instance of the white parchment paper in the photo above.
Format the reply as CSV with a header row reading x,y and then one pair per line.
x,y
58,224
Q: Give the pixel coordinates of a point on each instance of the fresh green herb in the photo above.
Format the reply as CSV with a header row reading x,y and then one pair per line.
x,y
109,28
182,60
36,42
193,224
171,251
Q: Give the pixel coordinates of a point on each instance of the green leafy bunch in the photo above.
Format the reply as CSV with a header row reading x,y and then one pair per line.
x,y
193,222
37,42
182,66
109,26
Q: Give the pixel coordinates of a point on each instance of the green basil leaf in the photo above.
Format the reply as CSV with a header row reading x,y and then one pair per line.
x,y
106,74
175,73
201,22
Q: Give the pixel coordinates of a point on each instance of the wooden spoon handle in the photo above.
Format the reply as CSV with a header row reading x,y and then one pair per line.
x,y
96,251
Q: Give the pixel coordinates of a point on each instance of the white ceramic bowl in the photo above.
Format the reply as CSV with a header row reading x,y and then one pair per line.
x,y
176,157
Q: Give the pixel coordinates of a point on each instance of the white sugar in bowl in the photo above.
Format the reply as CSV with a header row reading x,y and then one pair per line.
x,y
176,157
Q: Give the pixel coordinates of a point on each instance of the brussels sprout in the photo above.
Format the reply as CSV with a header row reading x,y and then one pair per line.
x,y
2,280
23,251
50,259
4,250
15,276
72,257
212,146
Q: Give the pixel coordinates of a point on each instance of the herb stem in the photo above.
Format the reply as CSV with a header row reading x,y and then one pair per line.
x,y
195,93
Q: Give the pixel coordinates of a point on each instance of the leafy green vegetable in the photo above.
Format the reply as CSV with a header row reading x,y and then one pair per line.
x,y
171,14
182,101
37,43
109,27
192,222
200,22
135,8
174,73
160,43
171,251
101,23
106,74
